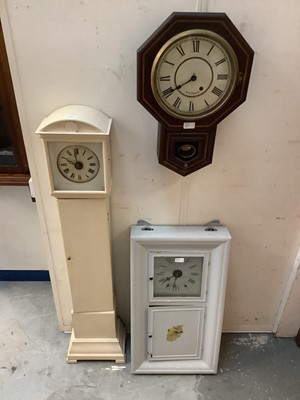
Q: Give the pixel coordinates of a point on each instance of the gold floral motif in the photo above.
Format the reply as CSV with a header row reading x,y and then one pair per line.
x,y
174,333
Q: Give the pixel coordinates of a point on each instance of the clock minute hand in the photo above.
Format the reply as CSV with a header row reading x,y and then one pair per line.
x,y
69,161
192,79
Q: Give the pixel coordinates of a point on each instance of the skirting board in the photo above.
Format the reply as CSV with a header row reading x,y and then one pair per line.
x,y
248,329
24,275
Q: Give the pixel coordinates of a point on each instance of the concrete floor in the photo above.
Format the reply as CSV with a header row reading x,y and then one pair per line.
x,y
33,366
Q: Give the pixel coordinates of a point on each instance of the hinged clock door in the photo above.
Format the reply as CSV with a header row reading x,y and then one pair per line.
x,y
175,333
87,244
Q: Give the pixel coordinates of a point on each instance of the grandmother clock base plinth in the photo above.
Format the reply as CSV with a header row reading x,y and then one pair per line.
x,y
98,349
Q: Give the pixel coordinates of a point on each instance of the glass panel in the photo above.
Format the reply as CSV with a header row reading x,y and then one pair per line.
x,y
77,166
7,154
178,276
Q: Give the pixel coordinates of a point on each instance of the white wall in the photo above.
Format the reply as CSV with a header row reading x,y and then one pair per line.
x,y
84,52
21,244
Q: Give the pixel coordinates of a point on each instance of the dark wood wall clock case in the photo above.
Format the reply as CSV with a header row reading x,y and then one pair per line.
x,y
192,72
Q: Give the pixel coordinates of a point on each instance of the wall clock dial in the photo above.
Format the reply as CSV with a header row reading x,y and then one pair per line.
x,y
194,67
193,74
177,276
78,163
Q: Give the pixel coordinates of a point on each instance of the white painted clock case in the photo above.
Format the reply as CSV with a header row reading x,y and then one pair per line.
x,y
97,333
176,239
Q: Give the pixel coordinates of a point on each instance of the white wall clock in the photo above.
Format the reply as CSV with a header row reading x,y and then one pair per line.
x,y
178,281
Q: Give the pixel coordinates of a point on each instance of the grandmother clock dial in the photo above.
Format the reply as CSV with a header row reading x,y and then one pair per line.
x,y
192,72
78,163
76,140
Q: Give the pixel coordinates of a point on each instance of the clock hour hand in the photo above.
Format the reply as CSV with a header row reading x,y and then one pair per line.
x,y
76,152
174,286
77,164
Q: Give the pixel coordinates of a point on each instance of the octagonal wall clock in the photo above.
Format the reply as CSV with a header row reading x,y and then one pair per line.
x,y
192,72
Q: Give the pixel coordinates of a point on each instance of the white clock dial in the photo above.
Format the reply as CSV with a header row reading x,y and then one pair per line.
x,y
178,276
78,163
193,74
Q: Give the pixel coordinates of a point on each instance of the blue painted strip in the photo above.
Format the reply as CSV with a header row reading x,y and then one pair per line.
x,y
24,275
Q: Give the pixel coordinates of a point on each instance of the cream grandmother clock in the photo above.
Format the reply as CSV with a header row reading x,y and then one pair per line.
x,y
76,140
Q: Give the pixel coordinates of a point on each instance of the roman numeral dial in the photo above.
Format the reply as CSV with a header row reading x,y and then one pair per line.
x,y
178,276
78,163
194,74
